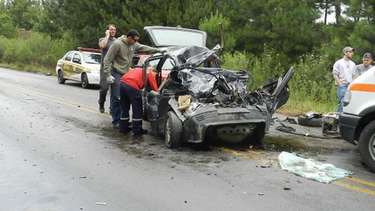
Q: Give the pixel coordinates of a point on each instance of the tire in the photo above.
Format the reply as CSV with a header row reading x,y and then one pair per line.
x,y
256,137
172,131
84,81
367,145
60,77
310,122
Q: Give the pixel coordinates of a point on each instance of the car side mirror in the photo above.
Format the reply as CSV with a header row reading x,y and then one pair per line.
x,y
77,60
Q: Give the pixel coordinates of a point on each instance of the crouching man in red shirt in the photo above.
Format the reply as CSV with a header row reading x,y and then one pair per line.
x,y
130,94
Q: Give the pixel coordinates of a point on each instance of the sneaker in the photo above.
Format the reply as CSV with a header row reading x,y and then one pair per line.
x,y
101,108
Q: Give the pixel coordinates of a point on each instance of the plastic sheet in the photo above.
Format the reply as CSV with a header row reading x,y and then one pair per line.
x,y
311,169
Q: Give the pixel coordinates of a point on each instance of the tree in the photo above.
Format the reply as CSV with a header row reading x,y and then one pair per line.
x,y
213,26
24,13
288,26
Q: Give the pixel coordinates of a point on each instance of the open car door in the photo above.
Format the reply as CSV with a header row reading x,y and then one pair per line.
x,y
277,91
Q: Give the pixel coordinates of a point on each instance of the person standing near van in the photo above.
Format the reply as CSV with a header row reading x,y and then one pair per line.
x,y
366,64
104,44
117,62
342,71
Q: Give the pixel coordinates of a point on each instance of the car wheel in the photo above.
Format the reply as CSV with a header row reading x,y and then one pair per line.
x,y
172,131
60,77
84,81
256,137
367,145
310,122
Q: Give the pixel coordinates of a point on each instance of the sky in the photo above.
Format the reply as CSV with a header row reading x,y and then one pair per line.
x,y
331,16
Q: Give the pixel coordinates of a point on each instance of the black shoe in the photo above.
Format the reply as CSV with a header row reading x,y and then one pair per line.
x,y
116,126
101,108
125,131
140,133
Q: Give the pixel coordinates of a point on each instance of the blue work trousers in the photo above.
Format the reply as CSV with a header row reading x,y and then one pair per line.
x,y
340,93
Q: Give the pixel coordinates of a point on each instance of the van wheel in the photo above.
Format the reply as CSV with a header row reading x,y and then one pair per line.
x,y
367,145
172,131
60,77
84,81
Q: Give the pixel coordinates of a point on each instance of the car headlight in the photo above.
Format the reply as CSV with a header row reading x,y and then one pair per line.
x,y
347,97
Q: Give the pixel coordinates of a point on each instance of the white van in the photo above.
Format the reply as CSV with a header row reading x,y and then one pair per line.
x,y
357,122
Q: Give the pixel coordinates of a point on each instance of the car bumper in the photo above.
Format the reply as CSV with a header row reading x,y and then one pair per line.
x,y
348,124
196,128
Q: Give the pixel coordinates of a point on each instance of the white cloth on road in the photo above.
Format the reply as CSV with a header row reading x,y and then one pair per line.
x,y
311,169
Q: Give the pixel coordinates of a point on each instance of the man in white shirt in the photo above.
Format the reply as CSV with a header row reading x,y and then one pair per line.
x,y
343,70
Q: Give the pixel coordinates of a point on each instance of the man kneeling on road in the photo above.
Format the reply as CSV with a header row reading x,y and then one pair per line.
x,y
130,91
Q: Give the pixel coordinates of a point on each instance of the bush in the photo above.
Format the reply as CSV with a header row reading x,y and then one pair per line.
x,y
33,48
311,88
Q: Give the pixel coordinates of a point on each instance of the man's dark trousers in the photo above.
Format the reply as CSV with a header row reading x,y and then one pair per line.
x,y
133,97
103,87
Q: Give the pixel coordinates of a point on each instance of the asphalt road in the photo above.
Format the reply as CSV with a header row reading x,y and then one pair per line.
x,y
58,153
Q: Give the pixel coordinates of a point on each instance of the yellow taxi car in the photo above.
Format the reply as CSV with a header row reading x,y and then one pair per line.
x,y
82,65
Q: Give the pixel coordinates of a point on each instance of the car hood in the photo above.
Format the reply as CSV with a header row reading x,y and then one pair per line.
x,y
228,87
163,36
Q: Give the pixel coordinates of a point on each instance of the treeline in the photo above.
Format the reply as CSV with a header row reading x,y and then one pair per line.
x,y
265,37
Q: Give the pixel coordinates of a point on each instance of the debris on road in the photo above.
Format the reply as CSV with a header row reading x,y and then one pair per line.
x,y
311,169
311,119
101,203
330,122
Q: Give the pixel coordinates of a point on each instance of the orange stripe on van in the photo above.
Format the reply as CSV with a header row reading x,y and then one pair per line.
x,y
362,87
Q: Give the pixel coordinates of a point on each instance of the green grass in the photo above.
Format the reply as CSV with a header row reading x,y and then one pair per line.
x,y
30,68
296,107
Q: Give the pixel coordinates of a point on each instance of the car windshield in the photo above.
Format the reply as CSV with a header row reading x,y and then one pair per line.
x,y
91,58
168,37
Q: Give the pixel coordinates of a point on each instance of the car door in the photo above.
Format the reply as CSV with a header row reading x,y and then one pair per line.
x,y
278,91
67,65
77,67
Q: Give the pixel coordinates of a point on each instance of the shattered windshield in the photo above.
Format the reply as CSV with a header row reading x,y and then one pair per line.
x,y
198,83
203,80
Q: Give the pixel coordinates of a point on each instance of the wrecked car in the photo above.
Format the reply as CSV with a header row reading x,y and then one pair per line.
x,y
199,102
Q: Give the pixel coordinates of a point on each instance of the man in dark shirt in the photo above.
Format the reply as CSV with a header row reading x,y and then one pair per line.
x,y
366,65
104,44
